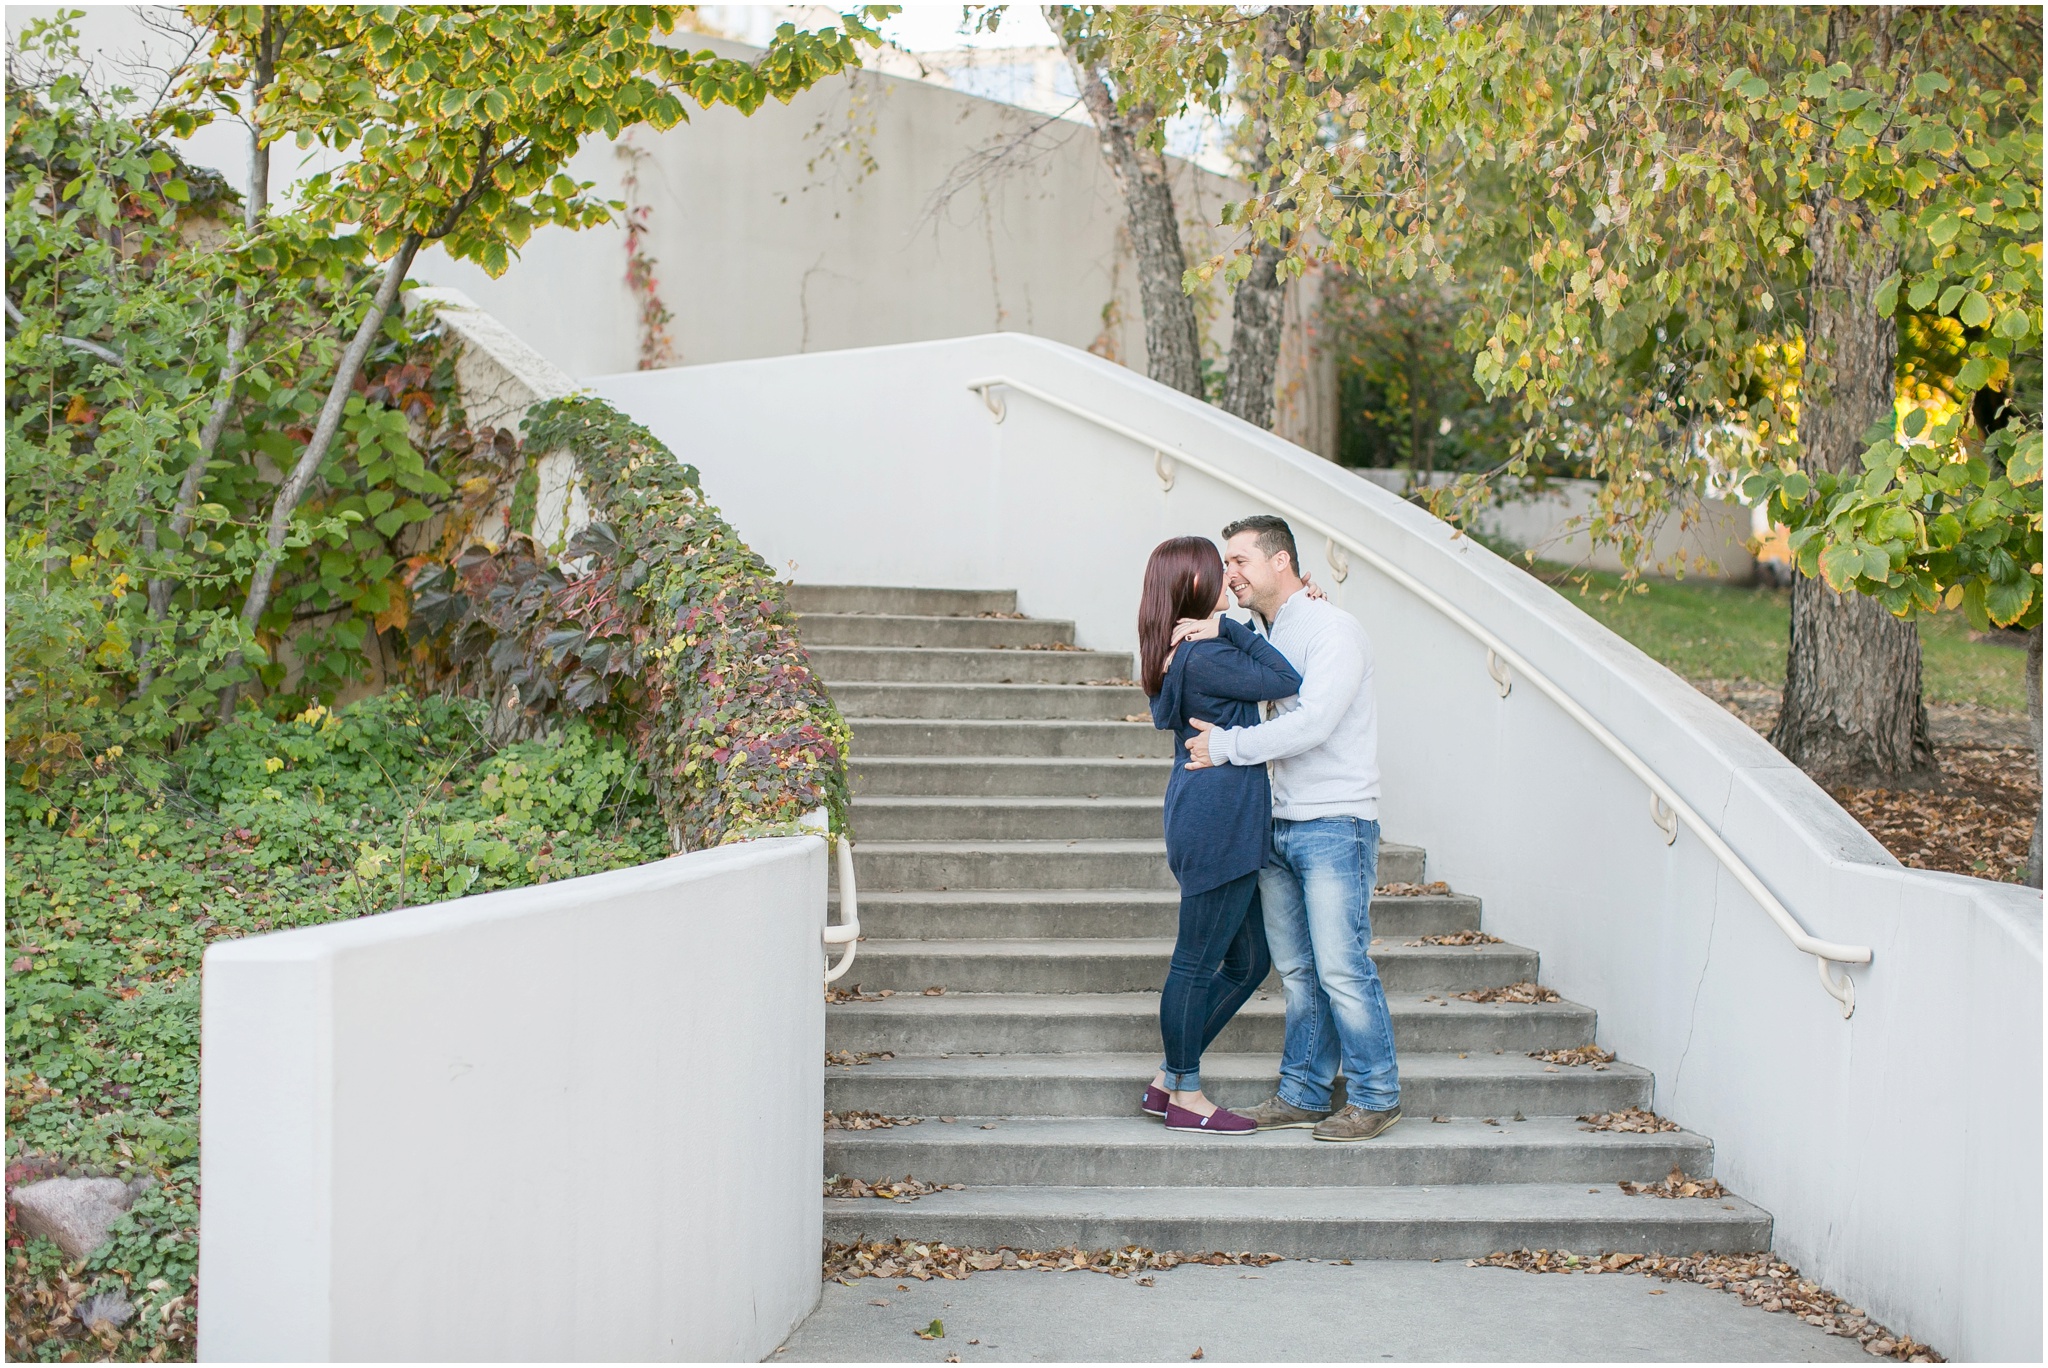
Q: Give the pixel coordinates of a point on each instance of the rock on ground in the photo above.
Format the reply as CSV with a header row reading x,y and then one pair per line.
x,y
75,1212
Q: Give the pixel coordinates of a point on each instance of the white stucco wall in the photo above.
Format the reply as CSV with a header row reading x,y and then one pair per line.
x,y
1899,1151
770,242
573,1122
1709,539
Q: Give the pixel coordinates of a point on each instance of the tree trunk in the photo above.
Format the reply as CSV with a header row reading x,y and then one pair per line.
x,y
1256,313
1852,708
2034,731
301,478
1173,345
1259,306
254,207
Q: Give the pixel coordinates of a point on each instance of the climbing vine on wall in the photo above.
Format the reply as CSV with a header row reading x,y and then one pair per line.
x,y
657,346
663,624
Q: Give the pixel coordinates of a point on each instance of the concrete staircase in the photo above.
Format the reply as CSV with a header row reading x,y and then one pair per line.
x,y
1007,813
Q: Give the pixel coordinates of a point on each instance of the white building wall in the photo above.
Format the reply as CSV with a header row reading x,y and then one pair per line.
x,y
574,1122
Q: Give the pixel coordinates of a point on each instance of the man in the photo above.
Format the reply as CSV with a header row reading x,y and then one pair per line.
x,y
1321,749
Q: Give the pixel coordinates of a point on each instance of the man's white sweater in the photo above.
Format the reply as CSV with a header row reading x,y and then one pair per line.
x,y
1322,746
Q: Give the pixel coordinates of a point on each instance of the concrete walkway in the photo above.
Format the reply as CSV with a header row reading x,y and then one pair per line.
x,y
1365,1313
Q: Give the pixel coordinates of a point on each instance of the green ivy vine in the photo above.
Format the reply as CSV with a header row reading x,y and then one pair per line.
x,y
668,628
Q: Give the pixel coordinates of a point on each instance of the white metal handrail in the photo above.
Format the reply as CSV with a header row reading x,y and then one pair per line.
x,y
847,933
1665,802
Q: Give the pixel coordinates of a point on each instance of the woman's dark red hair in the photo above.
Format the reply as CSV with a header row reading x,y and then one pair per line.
x,y
1182,580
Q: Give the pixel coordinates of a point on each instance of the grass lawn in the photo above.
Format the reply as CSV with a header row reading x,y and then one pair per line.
x,y
1705,630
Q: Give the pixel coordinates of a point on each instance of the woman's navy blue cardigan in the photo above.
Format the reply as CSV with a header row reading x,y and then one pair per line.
x,y
1219,822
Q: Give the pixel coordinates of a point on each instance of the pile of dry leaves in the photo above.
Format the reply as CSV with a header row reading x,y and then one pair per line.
x,y
1759,1279
848,1058
910,1259
55,1317
906,1189
1412,890
867,1120
1633,1120
1513,992
1456,938
1675,1184
1977,824
1572,1058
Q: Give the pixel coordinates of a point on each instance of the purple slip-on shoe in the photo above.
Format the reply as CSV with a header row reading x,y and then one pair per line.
x,y
1218,1122
1154,1102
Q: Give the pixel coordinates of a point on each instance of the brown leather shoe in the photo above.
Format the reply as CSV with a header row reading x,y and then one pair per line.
x,y
1273,1114
1355,1123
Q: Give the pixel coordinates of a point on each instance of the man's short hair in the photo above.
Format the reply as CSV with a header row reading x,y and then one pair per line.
x,y
1275,536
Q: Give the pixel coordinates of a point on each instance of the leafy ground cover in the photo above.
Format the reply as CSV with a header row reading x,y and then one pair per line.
x,y
1706,630
117,880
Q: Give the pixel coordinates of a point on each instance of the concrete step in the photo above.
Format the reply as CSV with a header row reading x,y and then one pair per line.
x,y
1126,966
1137,1151
950,865
1008,776
892,736
1114,1023
1434,1222
1105,913
1008,819
1483,1085
912,664
870,598
991,702
902,629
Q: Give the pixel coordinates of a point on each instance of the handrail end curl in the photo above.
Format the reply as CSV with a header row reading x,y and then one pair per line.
x,y
847,933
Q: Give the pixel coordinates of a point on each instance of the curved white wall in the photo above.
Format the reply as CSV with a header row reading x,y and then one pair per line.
x,y
1899,1151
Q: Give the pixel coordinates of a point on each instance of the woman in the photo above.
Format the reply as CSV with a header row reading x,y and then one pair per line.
x,y
1218,821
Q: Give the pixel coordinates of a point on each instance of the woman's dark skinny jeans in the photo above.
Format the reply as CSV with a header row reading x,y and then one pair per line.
x,y
1218,962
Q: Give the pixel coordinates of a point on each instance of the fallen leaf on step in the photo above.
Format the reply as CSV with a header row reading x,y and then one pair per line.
x,y
988,1125
867,1120
1456,938
852,993
849,1058
1412,890
906,1189
936,1330
1197,1354
935,991
901,1258
1147,1281
879,1301
1675,1184
1578,1054
1441,1120
1513,992
1629,1120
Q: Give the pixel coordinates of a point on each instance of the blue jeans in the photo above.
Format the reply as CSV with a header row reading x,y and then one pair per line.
x,y
1317,896
1219,960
